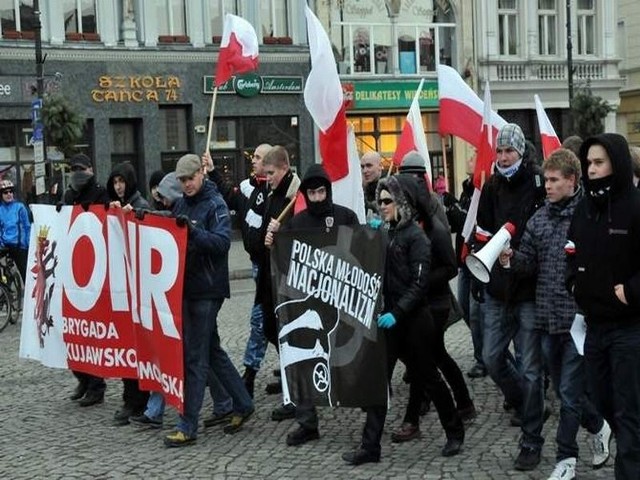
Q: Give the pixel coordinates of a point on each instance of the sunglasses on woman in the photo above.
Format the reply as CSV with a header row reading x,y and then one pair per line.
x,y
385,201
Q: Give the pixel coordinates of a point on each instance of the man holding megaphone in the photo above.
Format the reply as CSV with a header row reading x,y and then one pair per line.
x,y
511,195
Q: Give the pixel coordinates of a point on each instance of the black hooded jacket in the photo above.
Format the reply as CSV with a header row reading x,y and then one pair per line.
x,y
91,194
514,200
605,232
408,260
317,217
131,194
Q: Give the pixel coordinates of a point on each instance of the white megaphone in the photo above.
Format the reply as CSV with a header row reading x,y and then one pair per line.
x,y
480,264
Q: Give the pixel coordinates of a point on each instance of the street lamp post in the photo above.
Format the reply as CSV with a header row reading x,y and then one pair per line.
x,y
569,64
39,151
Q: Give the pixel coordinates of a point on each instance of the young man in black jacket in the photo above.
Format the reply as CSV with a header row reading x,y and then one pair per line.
x,y
512,194
603,274
85,190
320,215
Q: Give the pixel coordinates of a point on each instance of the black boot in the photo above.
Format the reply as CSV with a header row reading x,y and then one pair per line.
x,y
249,378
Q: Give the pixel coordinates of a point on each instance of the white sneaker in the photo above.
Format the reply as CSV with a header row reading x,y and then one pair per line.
x,y
601,442
565,470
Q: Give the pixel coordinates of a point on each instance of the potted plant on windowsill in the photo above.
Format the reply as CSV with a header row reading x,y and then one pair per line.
x,y
216,39
11,35
73,36
165,39
28,35
285,40
270,40
181,38
91,36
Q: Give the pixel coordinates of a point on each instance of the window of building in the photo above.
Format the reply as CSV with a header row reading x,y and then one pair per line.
x,y
16,16
547,27
274,18
217,10
174,125
380,133
368,37
586,27
172,17
79,16
508,26
125,142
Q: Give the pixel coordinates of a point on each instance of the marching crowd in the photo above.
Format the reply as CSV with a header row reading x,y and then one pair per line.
x,y
574,250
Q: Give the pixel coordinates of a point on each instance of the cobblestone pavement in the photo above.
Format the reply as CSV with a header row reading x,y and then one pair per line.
x,y
45,435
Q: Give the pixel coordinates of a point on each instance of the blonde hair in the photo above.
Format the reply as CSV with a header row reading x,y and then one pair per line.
x,y
277,157
566,161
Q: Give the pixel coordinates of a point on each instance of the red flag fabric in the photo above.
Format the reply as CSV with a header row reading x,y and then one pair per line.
x,y
238,49
550,140
412,136
461,110
324,100
486,153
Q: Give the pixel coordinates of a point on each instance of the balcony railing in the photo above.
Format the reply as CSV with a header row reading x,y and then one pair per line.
x,y
369,48
533,70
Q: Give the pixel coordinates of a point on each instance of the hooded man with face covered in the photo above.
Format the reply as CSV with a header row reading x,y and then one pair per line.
x,y
603,274
85,191
321,214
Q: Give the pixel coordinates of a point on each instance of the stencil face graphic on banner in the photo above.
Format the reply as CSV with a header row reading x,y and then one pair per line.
x,y
328,296
44,268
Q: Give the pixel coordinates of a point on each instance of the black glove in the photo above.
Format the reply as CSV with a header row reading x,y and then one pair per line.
x,y
85,206
59,206
183,221
477,291
139,213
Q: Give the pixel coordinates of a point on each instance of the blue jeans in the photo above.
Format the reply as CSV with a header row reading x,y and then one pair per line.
x,y
612,356
501,323
472,311
201,351
530,346
222,402
566,368
256,343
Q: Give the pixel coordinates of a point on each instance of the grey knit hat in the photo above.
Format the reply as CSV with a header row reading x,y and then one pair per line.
x,y
511,135
413,162
169,187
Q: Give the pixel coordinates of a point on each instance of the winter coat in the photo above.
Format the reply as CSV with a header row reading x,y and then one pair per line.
x,y
131,194
91,194
15,226
207,263
513,200
604,241
542,252
406,275
249,202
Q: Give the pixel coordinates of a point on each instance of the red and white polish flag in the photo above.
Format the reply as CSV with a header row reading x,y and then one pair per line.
x,y
324,100
485,159
550,140
412,136
461,110
238,49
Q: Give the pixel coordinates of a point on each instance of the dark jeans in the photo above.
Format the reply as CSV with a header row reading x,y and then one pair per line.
x,y
473,313
612,356
91,382
447,365
413,338
201,351
566,367
501,324
132,396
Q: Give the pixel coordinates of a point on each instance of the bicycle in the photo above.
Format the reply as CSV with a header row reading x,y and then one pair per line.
x,y
13,283
5,307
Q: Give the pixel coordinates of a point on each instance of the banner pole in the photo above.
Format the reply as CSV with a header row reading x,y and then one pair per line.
x,y
213,108
286,210
444,162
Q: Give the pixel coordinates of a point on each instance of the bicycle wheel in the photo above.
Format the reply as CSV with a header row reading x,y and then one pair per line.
x,y
5,307
16,290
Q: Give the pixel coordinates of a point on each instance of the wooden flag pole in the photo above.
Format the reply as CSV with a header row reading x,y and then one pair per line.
x,y
287,209
391,165
444,162
213,108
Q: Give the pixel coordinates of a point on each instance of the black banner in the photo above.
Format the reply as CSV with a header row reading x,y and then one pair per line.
x,y
328,294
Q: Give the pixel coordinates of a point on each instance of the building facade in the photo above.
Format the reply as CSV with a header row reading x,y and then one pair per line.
x,y
629,46
141,73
